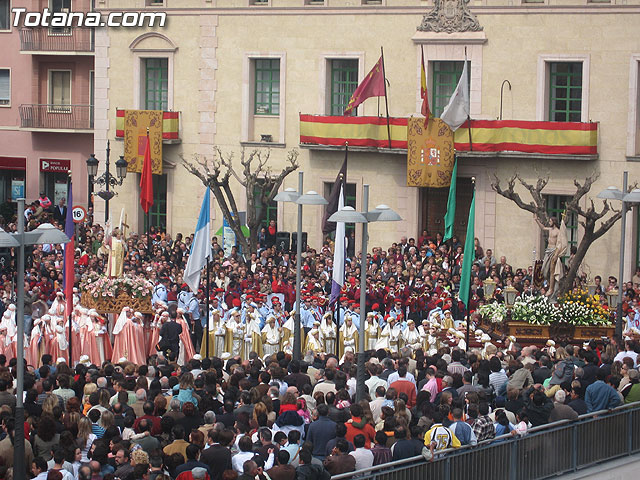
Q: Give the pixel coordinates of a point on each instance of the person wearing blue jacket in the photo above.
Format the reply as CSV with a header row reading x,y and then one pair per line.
x,y
600,396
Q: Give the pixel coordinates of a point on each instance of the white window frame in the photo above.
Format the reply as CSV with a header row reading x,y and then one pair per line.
x,y
324,94
248,90
633,122
8,105
542,100
57,109
6,30
438,52
139,54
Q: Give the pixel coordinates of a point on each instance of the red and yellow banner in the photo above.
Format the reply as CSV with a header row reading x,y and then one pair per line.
x,y
170,125
136,124
552,138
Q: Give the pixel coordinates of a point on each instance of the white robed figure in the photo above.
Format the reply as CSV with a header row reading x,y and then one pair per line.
x,y
271,336
328,332
314,340
371,332
253,336
411,336
288,335
217,325
235,335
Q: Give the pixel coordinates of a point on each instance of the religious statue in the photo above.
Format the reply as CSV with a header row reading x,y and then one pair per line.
x,y
552,267
117,249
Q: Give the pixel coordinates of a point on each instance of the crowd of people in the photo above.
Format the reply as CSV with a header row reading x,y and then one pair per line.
x,y
153,405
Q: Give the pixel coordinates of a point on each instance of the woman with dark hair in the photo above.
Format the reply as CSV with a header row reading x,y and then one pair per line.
x,y
192,418
46,438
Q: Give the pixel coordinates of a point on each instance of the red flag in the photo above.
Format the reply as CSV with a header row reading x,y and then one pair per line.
x,y
146,180
424,93
371,86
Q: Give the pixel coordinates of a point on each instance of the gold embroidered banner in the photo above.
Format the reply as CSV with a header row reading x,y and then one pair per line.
x,y
430,153
136,123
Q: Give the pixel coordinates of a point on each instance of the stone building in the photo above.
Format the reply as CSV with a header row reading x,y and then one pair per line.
x,y
242,72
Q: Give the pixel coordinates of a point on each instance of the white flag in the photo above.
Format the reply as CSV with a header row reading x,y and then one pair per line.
x,y
457,110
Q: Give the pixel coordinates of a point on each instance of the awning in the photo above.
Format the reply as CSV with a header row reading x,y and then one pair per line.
x,y
13,163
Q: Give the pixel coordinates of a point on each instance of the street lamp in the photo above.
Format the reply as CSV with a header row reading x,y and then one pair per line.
x,y
612,193
488,287
106,178
45,233
382,213
289,195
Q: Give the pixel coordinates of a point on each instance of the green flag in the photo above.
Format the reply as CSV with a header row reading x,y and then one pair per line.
x,y
449,218
469,254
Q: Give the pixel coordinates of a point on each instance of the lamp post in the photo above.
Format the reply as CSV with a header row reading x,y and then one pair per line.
x,y
382,213
488,287
612,193
106,178
45,233
289,195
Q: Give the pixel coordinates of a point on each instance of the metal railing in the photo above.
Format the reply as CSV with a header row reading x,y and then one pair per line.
x,y
545,451
67,39
49,116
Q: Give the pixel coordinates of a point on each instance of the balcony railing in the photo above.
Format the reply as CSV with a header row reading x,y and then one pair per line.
x,y
57,117
75,39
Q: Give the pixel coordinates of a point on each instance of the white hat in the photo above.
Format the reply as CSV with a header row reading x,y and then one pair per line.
x,y
85,359
485,338
327,315
122,359
61,360
551,343
315,322
451,331
371,314
512,338
197,356
460,334
225,356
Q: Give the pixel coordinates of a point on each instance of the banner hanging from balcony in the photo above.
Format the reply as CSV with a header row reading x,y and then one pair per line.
x,y
430,153
551,138
136,123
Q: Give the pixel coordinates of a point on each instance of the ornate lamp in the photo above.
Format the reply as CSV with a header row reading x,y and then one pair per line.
x,y
489,287
510,293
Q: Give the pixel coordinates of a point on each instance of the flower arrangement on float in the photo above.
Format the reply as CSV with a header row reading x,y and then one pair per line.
x,y
98,286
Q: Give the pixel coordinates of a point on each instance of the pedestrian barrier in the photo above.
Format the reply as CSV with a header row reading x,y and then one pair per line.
x,y
545,451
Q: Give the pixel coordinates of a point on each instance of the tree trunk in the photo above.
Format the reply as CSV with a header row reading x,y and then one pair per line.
x,y
566,283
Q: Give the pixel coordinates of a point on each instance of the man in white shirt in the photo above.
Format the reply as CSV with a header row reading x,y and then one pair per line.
x,y
627,352
376,405
363,456
374,381
395,376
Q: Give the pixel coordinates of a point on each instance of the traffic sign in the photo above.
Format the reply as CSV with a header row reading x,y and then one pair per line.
x,y
78,213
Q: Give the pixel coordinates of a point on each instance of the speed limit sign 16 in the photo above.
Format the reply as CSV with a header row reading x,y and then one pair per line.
x,y
78,213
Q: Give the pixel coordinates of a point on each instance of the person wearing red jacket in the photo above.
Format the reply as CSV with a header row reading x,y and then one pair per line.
x,y
358,425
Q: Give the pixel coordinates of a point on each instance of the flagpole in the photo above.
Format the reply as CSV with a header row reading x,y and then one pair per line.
x,y
469,115
473,191
70,346
149,217
386,101
207,310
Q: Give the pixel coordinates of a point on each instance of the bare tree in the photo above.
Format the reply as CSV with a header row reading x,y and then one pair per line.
x,y
592,221
260,183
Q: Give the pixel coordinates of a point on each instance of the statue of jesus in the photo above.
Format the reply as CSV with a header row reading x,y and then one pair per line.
x,y
552,268
115,262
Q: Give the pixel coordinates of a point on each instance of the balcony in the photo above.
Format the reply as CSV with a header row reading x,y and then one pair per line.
x,y
56,41
491,138
57,118
170,126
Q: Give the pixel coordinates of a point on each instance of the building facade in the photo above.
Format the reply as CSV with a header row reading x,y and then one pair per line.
x,y
46,97
240,76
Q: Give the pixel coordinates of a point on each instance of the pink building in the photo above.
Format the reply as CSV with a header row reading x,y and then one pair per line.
x,y
46,104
